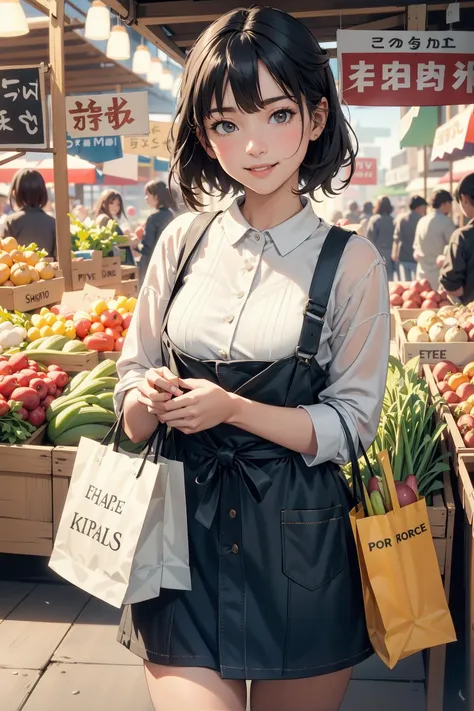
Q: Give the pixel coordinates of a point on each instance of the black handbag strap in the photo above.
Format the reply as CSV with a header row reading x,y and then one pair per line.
x,y
155,440
320,291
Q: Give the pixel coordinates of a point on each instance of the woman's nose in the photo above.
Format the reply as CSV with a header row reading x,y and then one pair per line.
x,y
256,147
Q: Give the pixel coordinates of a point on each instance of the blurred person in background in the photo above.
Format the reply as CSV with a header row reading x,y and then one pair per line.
x,y
29,222
4,208
352,214
380,231
457,273
110,207
80,212
160,200
404,237
432,235
367,212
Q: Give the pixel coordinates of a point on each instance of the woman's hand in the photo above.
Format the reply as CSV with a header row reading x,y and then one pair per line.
x,y
206,405
157,388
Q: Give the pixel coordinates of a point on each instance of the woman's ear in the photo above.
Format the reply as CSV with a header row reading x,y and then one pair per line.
x,y
203,141
320,117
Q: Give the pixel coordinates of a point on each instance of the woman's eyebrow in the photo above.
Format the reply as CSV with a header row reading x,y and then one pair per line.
x,y
266,102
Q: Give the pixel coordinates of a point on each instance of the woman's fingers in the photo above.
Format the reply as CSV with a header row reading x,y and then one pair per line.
x,y
163,379
151,394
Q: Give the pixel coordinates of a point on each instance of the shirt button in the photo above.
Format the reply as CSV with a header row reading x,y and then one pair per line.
x,y
249,265
235,548
257,237
240,295
233,513
223,354
229,318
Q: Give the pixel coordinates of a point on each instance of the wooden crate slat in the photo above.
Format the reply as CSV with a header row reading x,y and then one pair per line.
x,y
26,497
34,459
60,489
63,461
26,537
32,296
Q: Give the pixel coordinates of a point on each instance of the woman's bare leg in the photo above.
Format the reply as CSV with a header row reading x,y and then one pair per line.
x,y
317,693
193,689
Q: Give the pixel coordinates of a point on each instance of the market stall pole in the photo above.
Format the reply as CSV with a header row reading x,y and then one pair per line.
x,y
58,112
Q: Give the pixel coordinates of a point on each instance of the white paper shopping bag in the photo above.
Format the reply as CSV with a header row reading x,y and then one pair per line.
x,y
112,498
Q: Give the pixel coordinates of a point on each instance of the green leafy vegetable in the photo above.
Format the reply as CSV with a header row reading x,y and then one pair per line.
x,y
88,235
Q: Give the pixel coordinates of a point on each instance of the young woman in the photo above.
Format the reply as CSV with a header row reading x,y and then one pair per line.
x,y
257,350
159,199
29,222
380,229
110,207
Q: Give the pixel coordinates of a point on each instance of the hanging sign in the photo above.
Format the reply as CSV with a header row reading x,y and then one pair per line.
x,y
155,145
97,149
23,123
365,172
107,114
383,68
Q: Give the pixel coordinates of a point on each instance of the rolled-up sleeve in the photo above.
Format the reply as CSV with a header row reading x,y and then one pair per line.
x,y
360,347
142,347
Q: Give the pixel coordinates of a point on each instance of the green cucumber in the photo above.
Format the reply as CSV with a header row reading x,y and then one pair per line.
x,y
72,437
79,414
106,400
54,409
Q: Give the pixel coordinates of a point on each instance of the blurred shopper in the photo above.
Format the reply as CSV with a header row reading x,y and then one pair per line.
x,y
29,222
457,274
432,235
110,207
404,237
367,212
159,198
380,231
353,213
80,212
336,216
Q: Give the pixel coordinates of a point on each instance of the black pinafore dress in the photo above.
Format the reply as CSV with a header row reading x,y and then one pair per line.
x,y
276,590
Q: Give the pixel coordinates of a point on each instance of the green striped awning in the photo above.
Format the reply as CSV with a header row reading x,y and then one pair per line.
x,y
418,127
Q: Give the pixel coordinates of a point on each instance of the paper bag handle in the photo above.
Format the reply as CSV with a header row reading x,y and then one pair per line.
x,y
158,436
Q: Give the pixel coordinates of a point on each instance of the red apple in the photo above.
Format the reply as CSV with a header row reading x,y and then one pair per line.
x,y
471,334
432,296
51,384
18,361
37,416
418,287
112,332
110,318
396,300
22,413
23,379
55,309
452,398
411,305
444,302
466,326
411,295
444,369
119,344
429,304
40,386
33,365
47,401
465,423
59,378
53,367
443,295
424,285
127,319
443,387
83,326
468,438
465,390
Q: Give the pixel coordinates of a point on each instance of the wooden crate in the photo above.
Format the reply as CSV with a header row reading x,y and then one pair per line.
x,y
409,313
70,362
128,288
128,272
26,511
109,355
63,459
98,271
32,296
429,353
441,518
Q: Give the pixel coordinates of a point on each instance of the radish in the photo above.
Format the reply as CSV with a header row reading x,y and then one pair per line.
x,y
373,485
405,494
37,416
412,483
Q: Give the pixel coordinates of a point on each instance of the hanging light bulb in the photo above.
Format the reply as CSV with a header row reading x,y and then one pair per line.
x,y
14,22
166,80
156,70
118,46
141,60
97,22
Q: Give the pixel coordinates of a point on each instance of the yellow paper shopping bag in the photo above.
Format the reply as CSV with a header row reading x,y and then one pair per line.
x,y
405,604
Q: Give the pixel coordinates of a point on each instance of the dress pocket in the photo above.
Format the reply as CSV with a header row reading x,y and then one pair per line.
x,y
314,546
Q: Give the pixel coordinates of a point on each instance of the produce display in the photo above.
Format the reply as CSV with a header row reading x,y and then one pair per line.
x,y
88,235
457,389
85,408
102,328
13,329
26,391
450,324
417,295
408,431
377,495
21,265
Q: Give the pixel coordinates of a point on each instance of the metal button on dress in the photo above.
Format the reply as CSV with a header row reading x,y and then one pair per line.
x,y
235,548
229,318
223,354
232,513
257,237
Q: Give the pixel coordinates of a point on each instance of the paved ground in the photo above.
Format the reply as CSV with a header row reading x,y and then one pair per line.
x,y
58,653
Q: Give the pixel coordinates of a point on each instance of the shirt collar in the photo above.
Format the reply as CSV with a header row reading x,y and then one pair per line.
x,y
286,236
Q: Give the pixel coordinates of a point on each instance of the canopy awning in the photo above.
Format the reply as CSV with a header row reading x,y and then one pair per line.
x,y
455,138
417,185
418,127
461,168
80,172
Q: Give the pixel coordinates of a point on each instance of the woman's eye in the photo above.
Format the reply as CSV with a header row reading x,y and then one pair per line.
x,y
223,128
283,116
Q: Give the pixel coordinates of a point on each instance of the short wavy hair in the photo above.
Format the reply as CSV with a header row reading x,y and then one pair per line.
x,y
227,53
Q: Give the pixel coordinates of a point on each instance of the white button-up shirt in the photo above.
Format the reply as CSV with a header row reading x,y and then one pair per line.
x,y
243,298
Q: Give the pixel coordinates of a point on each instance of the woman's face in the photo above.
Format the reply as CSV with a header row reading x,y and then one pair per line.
x,y
114,207
150,200
262,150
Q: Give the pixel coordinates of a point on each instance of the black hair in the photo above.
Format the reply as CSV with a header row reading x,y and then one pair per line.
x,y
367,208
417,201
227,53
28,189
383,206
466,188
158,189
439,197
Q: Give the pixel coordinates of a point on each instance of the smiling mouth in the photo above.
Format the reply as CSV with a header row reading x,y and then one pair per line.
x,y
261,168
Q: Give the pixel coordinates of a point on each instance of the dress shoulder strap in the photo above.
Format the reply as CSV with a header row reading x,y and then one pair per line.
x,y
320,291
192,238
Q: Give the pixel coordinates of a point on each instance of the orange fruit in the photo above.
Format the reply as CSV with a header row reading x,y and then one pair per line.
x,y
17,256
9,243
97,327
4,273
94,318
34,274
5,259
45,270
454,381
21,275
31,258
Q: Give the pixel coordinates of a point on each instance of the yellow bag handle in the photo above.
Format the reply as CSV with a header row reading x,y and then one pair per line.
x,y
384,461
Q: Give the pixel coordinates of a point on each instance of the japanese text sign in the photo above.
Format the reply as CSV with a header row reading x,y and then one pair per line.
x,y
22,108
154,145
365,172
107,114
383,68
